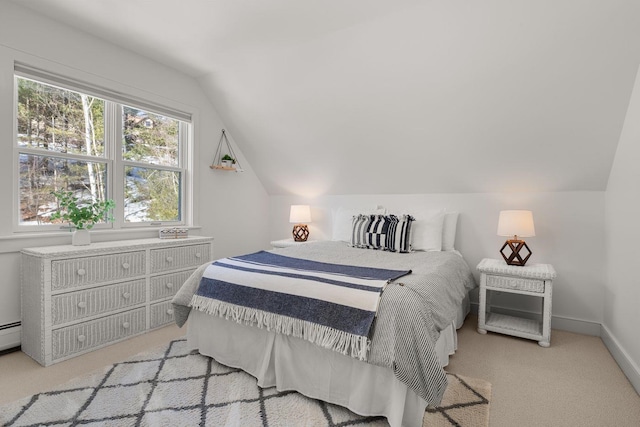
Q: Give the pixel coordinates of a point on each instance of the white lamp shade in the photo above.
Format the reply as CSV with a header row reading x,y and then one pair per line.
x,y
516,223
300,214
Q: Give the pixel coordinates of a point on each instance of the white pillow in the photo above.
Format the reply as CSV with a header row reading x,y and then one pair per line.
x,y
426,230
343,221
449,231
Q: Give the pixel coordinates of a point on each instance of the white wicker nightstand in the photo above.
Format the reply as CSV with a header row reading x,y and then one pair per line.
x,y
286,243
534,280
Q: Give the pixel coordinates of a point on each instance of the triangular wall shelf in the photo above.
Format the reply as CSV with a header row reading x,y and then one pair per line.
x,y
218,163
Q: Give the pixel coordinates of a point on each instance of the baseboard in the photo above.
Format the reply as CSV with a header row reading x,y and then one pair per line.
x,y
584,327
9,337
619,354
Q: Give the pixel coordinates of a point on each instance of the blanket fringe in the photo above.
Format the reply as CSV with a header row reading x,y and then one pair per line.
x,y
343,342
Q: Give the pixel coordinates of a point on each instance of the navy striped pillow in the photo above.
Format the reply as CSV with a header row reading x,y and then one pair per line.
x,y
399,233
359,229
389,233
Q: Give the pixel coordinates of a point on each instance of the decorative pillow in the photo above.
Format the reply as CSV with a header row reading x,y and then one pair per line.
x,y
389,233
427,230
449,231
359,228
343,221
375,236
399,233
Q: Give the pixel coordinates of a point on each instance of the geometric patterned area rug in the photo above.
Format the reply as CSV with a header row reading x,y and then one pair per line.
x,y
172,386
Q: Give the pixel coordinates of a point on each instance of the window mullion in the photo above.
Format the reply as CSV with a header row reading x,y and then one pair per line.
x,y
113,140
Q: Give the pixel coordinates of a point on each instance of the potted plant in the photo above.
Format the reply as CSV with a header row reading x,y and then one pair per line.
x,y
227,161
81,215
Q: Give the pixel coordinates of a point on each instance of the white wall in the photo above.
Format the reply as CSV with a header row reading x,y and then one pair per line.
x,y
569,235
621,328
231,207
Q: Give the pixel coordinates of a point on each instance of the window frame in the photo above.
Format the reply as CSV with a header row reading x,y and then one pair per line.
x,y
113,159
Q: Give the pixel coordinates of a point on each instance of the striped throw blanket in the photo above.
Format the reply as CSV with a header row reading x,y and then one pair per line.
x,y
331,305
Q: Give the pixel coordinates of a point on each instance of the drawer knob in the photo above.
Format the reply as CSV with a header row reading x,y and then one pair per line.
x,y
81,338
125,265
125,325
81,272
169,259
170,311
82,304
126,295
198,254
169,285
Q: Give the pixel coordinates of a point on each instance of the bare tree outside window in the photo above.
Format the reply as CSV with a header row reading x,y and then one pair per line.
x,y
63,143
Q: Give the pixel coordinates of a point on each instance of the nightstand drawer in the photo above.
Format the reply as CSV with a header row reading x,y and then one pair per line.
x,y
78,338
74,272
78,305
517,283
179,257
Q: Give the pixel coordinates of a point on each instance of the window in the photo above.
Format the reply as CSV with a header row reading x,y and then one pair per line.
x,y
98,148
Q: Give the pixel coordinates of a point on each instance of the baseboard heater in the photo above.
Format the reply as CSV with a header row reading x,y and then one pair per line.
x,y
10,337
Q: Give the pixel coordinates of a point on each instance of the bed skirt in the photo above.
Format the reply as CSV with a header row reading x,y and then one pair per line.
x,y
289,363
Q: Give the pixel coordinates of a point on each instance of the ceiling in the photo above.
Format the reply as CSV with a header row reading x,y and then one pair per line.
x,y
378,96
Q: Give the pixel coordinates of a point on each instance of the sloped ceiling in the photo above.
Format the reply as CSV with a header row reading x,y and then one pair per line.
x,y
372,96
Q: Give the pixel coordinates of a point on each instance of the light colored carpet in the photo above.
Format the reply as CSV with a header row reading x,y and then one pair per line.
x,y
172,386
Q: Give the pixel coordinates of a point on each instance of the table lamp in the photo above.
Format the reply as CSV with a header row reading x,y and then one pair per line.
x,y
516,224
300,214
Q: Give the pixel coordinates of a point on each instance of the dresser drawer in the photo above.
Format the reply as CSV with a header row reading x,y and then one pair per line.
x,y
68,273
521,284
161,314
84,336
78,305
179,257
168,284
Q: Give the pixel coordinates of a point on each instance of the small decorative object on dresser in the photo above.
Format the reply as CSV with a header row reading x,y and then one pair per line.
x,y
298,215
533,280
173,233
76,300
516,224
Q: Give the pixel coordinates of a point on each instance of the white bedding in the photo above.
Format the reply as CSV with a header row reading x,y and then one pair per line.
x,y
413,335
289,363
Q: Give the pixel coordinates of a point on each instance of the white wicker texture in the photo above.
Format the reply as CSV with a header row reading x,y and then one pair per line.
x,y
532,271
96,333
161,314
80,271
78,305
511,283
179,257
535,280
168,284
78,299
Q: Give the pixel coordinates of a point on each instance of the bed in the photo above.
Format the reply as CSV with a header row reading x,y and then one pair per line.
x,y
412,336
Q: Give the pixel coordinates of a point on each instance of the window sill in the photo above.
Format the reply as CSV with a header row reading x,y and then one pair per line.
x,y
20,240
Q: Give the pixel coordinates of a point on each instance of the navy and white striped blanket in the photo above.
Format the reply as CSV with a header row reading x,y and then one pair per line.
x,y
331,305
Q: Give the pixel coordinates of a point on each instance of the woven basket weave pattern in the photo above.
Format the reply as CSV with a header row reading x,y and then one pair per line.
x,y
78,305
80,271
167,285
178,257
161,313
512,283
67,341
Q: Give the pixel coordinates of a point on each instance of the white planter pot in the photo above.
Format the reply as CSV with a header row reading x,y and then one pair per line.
x,y
81,238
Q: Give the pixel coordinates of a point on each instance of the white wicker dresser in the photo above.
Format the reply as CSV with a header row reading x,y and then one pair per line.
x,y
533,280
76,299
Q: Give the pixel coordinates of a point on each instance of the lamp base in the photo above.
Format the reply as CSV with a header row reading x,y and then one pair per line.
x,y
300,233
515,258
